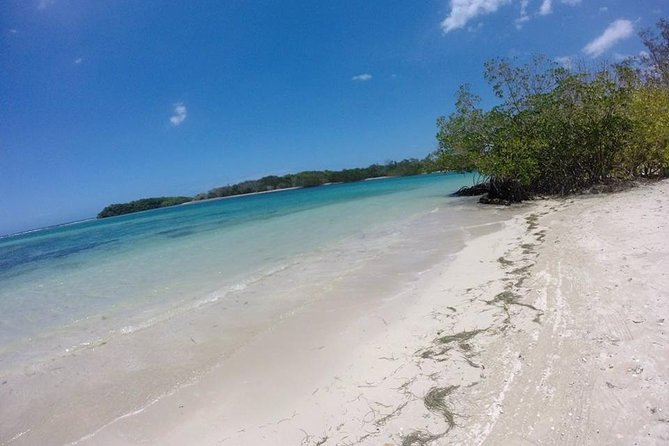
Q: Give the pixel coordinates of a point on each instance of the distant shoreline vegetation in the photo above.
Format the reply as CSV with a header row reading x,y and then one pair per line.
x,y
274,183
143,204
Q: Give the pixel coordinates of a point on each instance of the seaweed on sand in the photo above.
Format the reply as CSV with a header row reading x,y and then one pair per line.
x,y
435,402
528,248
461,338
504,262
522,270
420,438
425,354
532,221
383,420
444,343
507,298
510,298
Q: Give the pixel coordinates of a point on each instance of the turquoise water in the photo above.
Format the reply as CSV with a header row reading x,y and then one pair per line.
x,y
81,282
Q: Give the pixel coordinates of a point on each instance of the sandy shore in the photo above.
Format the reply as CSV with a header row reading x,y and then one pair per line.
x,y
547,327
550,330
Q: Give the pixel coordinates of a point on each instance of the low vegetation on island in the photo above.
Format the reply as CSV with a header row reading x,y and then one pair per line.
x,y
143,204
272,183
318,178
560,130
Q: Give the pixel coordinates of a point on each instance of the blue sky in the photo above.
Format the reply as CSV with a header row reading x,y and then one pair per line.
x,y
109,101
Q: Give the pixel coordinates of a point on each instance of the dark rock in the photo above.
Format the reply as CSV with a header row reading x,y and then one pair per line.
x,y
472,191
485,199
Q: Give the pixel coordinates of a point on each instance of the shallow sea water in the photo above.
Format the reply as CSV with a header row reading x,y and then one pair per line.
x,y
73,286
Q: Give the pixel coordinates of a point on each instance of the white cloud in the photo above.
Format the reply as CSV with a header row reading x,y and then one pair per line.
x,y
523,7
524,17
462,11
546,7
615,32
179,114
12,31
604,9
520,21
565,61
362,77
78,61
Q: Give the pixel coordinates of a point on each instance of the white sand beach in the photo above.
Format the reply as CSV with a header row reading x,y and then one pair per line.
x,y
587,365
547,326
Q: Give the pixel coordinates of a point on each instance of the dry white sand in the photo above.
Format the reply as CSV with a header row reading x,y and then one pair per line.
x,y
549,328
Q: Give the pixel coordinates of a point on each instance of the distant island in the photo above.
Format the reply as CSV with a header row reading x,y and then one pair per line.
x,y
270,183
144,204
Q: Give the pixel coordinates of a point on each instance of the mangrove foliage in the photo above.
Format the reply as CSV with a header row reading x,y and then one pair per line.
x,y
560,130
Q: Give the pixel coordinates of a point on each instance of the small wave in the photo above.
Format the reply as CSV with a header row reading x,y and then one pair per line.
x,y
31,231
17,436
209,299
241,286
172,391
18,234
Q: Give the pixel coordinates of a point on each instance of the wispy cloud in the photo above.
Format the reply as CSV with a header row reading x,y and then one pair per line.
x,y
362,77
614,33
179,114
520,21
462,11
78,61
524,16
546,7
523,7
